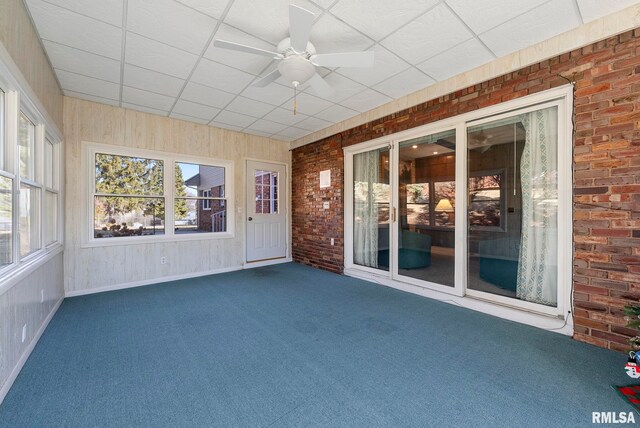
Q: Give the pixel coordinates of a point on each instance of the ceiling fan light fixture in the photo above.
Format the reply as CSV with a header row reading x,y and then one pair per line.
x,y
296,69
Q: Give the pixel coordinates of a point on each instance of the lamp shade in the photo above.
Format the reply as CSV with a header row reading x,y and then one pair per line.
x,y
444,205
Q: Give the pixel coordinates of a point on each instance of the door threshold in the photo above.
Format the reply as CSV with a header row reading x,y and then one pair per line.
x,y
266,262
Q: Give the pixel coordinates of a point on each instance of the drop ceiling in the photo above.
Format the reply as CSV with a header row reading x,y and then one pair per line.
x,y
157,56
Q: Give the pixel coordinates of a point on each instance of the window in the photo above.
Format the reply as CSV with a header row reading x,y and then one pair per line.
x,y
6,197
128,196
140,194
203,185
30,190
266,183
51,182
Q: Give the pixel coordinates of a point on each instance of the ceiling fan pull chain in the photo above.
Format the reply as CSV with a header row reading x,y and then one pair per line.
x,y
295,98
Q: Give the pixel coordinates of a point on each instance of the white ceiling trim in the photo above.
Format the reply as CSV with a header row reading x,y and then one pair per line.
x,y
599,29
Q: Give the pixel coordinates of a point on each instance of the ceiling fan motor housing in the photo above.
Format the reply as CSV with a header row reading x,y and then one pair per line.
x,y
296,67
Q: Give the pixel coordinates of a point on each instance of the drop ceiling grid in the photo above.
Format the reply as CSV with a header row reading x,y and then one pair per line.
x,y
157,55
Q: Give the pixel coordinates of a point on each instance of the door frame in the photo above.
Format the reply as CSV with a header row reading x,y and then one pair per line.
x,y
243,211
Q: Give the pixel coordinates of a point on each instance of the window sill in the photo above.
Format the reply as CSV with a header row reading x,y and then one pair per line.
x,y
15,274
126,241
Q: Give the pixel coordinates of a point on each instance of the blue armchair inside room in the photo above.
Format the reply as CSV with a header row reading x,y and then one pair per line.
x,y
414,249
499,261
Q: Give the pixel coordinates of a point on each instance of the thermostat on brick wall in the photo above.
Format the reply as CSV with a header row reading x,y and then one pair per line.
x,y
325,178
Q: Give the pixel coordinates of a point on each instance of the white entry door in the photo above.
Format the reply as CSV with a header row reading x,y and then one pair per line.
x,y
266,211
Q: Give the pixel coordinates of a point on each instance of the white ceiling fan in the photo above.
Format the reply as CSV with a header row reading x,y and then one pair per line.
x,y
298,58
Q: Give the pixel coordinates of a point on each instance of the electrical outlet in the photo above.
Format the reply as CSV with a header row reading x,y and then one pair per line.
x,y
333,242
325,205
163,260
24,333
41,296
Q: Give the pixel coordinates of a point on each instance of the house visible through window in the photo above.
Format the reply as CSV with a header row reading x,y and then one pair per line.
x,y
200,202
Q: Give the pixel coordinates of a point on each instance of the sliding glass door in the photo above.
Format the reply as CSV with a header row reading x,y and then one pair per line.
x,y
371,212
513,206
475,207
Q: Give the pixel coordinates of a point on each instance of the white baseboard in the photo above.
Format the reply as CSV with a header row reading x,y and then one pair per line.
x,y
25,355
251,265
149,281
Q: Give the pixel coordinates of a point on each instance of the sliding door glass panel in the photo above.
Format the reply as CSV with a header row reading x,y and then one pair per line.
x,y
427,208
371,195
512,207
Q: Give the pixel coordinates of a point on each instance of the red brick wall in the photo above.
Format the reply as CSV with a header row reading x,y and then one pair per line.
x,y
606,175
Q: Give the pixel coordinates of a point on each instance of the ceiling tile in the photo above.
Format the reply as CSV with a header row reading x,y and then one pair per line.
x,y
213,8
170,22
81,62
225,126
54,24
330,35
365,100
220,76
309,104
292,132
141,78
285,116
200,111
456,60
188,118
249,107
379,18
145,109
594,9
266,126
205,95
152,55
146,98
272,93
336,113
404,83
539,24
482,16
268,20
88,85
313,124
250,63
235,119
91,98
343,87
109,11
385,65
324,3
432,33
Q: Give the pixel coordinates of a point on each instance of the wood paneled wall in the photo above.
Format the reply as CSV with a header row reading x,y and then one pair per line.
x,y
98,267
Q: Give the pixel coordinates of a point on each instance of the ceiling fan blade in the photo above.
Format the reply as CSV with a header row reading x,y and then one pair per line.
x,y
320,86
267,79
244,48
300,22
344,59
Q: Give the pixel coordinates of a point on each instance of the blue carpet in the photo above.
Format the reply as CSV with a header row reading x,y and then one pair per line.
x,y
294,346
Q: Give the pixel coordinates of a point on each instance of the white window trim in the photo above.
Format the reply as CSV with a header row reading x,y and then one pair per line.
x,y
557,319
19,97
206,195
89,150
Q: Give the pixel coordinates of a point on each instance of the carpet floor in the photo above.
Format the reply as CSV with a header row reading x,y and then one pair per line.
x,y
289,345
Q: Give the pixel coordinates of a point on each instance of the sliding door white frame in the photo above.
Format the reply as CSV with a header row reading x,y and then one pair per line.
x,y
554,318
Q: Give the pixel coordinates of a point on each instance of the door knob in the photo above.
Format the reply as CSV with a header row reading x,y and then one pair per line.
x,y
250,218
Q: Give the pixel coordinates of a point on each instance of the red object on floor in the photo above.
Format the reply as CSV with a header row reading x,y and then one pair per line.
x,y
631,394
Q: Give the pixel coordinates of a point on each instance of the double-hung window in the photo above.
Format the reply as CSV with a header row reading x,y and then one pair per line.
x,y
143,195
6,194
30,188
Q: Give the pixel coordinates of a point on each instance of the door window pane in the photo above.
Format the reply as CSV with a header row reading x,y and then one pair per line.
x,y
29,219
519,258
6,221
427,208
266,191
371,193
27,144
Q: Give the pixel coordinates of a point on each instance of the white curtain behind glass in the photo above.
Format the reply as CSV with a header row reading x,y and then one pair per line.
x,y
537,267
365,222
